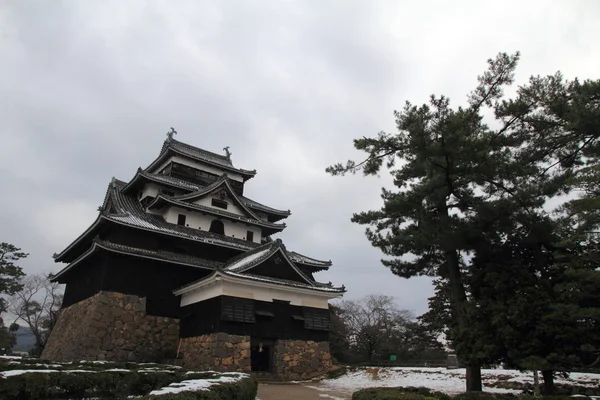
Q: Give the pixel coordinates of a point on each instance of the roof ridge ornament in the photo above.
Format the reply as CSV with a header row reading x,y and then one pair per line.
x,y
227,152
171,133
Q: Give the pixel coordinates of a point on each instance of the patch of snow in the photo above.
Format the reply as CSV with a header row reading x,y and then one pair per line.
x,y
441,379
198,384
247,260
154,370
94,362
11,357
117,370
15,372
328,396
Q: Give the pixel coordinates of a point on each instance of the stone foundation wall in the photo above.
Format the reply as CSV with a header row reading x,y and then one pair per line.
x,y
112,326
301,359
217,351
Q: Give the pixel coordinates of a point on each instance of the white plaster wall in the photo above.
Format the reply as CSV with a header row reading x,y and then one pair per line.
x,y
150,189
153,189
231,206
200,221
223,288
203,167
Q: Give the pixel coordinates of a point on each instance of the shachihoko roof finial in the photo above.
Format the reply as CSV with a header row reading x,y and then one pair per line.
x,y
171,133
227,152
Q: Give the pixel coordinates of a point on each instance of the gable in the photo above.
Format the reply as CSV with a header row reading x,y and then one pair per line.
x,y
277,266
223,202
219,191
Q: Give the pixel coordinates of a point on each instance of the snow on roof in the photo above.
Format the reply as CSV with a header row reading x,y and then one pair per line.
x,y
247,260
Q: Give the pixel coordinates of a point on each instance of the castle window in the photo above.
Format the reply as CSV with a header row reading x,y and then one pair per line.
x,y
250,236
316,319
219,203
181,219
238,310
217,227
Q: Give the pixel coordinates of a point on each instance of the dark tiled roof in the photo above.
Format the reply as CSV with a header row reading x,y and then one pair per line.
x,y
283,282
164,180
213,210
191,186
308,261
224,183
160,255
246,261
318,286
199,154
130,212
261,207
127,210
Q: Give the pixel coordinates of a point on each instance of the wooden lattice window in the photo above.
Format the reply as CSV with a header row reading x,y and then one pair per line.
x,y
238,310
316,319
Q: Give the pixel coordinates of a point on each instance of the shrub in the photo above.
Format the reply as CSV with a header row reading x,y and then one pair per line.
x,y
116,385
408,393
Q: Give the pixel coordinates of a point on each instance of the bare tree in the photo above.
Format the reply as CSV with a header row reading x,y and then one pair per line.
x,y
37,305
373,323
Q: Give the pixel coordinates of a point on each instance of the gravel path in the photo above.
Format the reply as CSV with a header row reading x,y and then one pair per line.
x,y
298,391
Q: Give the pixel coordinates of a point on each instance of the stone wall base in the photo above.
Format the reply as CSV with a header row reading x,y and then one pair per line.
x,y
216,351
291,359
301,359
114,327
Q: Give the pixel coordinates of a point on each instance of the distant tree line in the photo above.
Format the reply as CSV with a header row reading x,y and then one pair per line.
x,y
499,201
25,300
374,329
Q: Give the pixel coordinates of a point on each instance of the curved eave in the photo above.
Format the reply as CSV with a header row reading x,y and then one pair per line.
x,y
246,175
160,200
259,281
309,262
61,257
242,246
99,246
223,181
143,177
273,248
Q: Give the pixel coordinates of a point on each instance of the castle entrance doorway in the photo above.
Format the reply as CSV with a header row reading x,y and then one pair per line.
x,y
261,355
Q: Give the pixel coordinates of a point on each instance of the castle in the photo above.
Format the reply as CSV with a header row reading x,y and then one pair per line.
x,y
180,265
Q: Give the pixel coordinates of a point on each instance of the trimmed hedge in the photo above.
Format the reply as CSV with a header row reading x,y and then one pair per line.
x,y
407,393
411,393
117,385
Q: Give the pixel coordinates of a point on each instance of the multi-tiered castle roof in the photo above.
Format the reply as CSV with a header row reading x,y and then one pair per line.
x,y
195,199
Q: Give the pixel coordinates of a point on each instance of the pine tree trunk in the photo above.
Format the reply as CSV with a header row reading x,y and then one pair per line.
x,y
458,300
536,383
474,379
548,376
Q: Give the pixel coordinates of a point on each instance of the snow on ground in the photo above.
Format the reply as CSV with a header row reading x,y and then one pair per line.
x,y
199,384
14,372
440,379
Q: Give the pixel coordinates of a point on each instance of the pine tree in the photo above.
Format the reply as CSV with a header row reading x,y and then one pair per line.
x,y
10,274
451,166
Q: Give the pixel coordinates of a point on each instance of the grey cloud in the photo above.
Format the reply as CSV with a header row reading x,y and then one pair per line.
x,y
90,88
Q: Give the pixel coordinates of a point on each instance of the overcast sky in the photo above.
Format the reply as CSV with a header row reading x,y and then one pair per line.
x,y
88,90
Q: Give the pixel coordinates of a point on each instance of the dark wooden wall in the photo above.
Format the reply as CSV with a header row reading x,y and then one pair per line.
x,y
206,317
84,282
113,272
